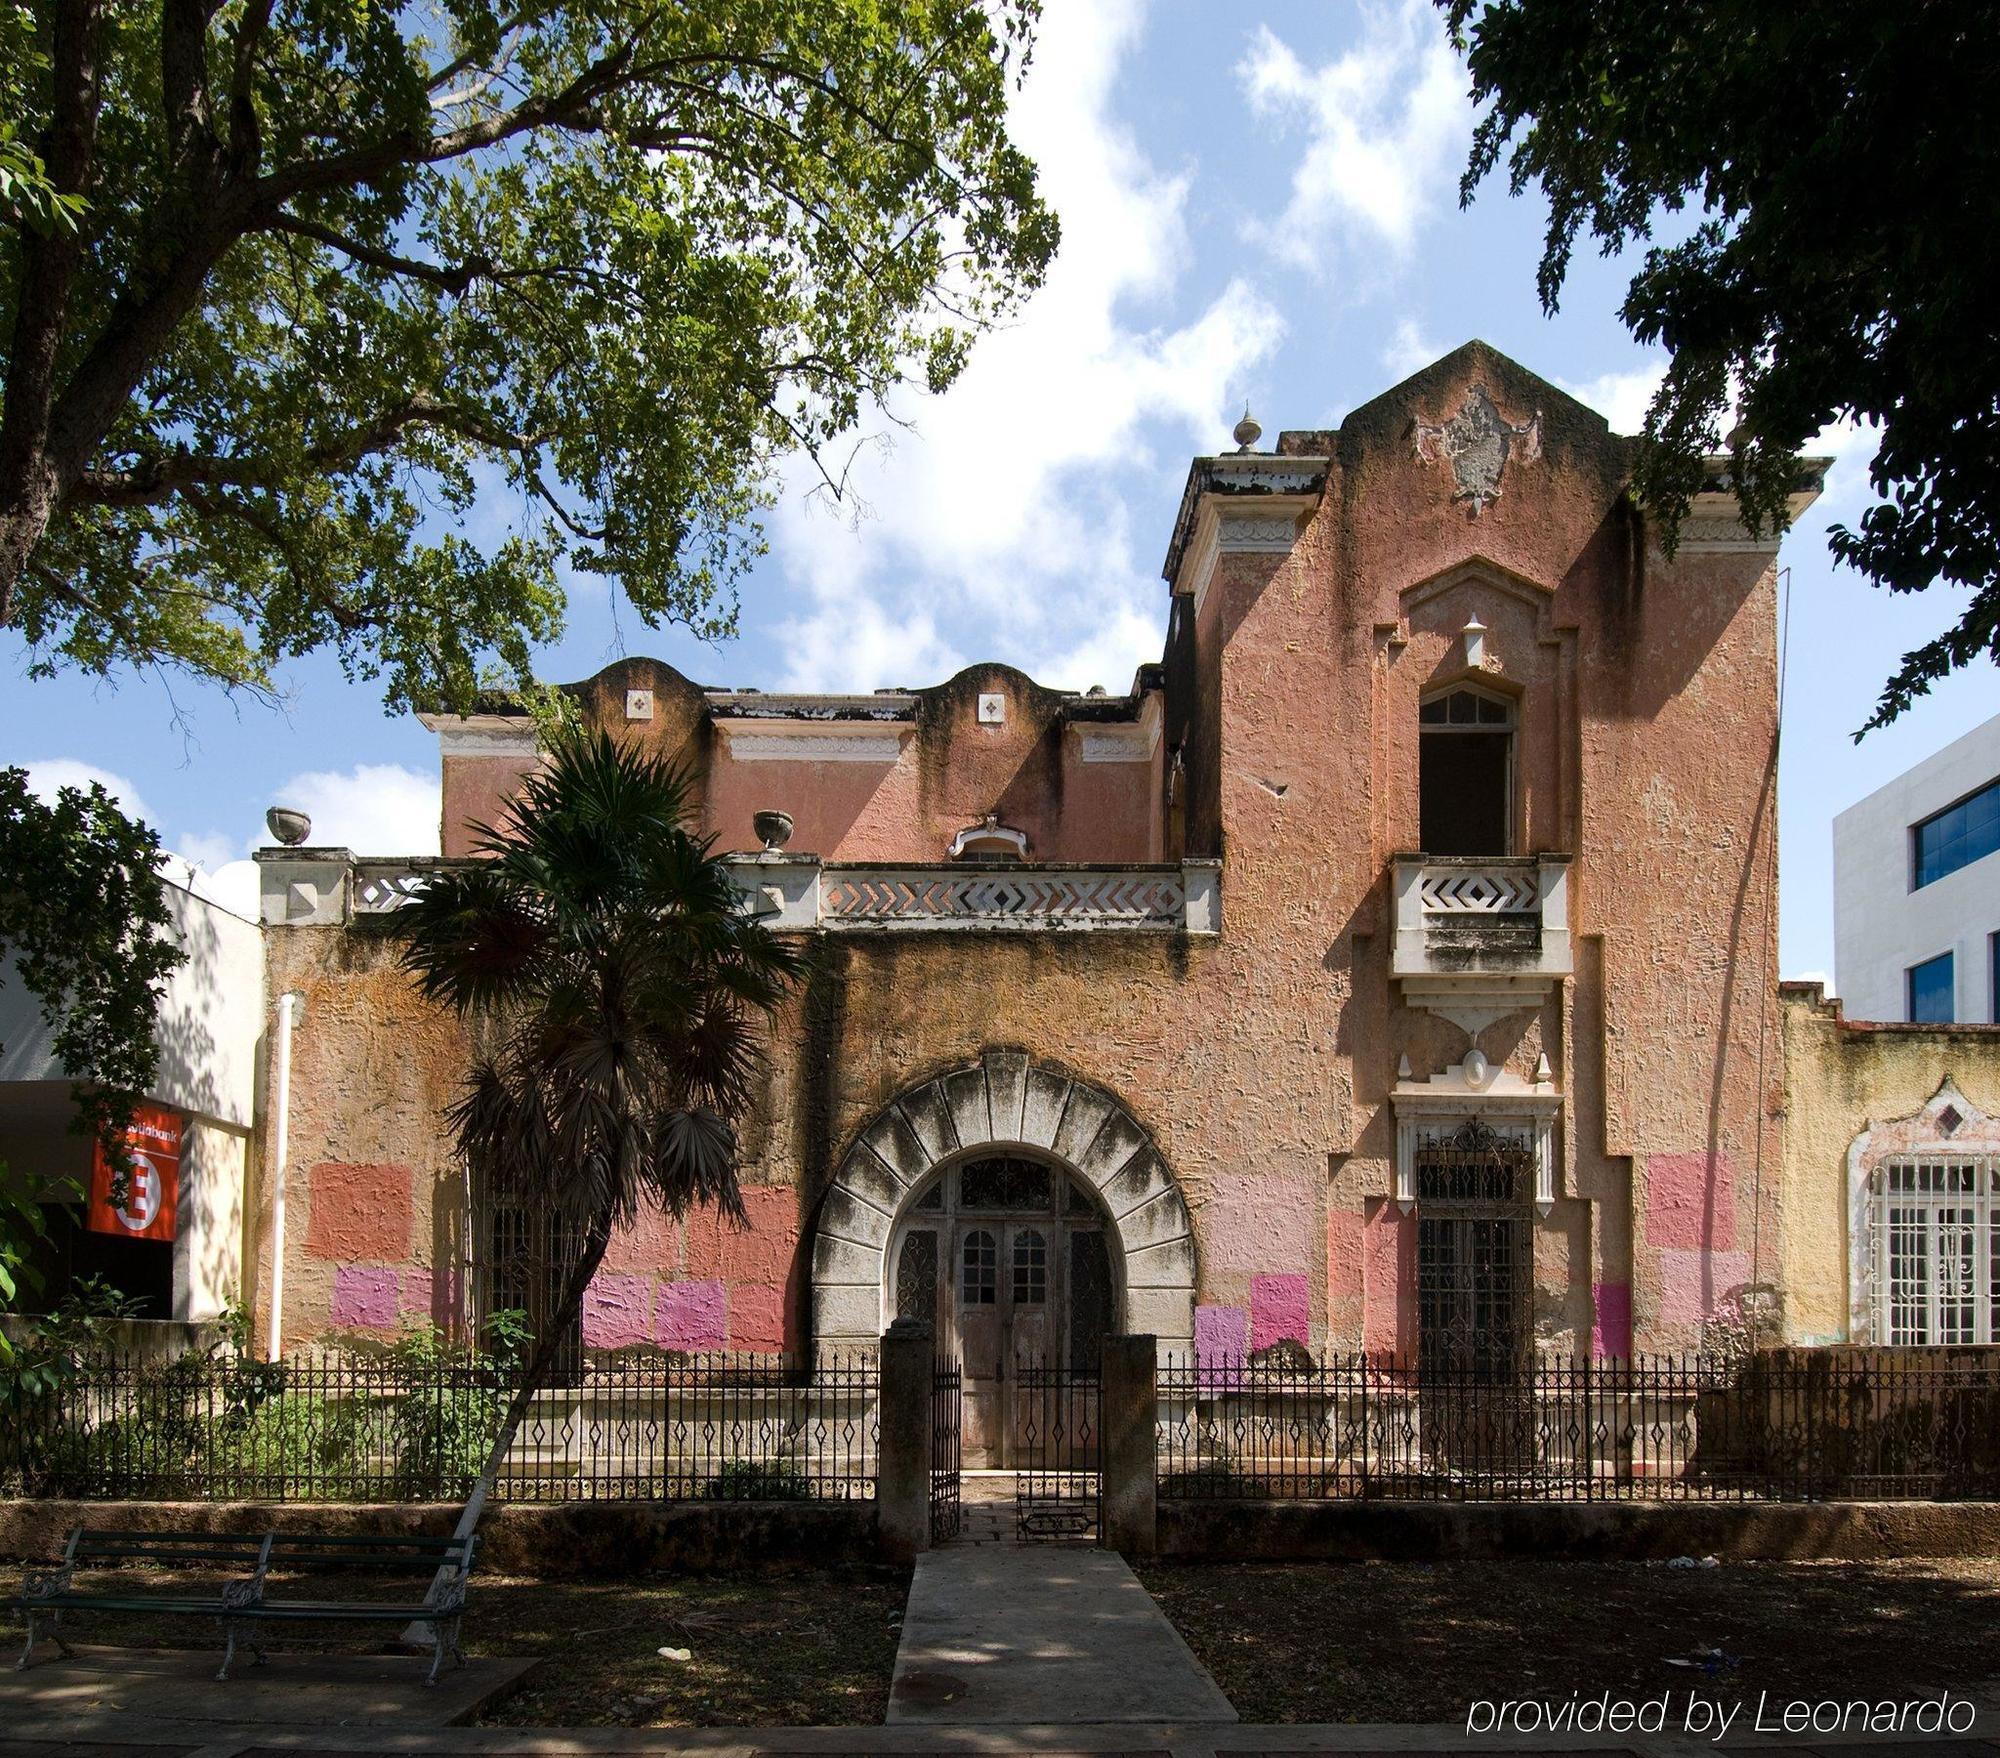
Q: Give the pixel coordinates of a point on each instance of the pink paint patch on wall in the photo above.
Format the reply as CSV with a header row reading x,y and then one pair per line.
x,y
614,1311
364,1297
651,1246
1611,1320
1691,1201
1389,1267
1344,1232
1280,1307
757,1318
1694,1284
1252,1225
419,1289
692,1315
1221,1339
762,1252
358,1212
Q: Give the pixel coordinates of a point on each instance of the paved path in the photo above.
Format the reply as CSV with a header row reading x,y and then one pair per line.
x,y
1005,1634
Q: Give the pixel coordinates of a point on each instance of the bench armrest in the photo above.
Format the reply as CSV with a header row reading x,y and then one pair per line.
x,y
48,1583
242,1595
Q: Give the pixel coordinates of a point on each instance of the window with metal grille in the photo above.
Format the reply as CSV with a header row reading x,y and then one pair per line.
x,y
1936,1240
916,1277
525,1255
1031,1268
1475,1263
980,1283
1003,1183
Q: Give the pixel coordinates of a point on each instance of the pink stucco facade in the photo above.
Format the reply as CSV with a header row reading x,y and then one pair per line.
x,y
1288,1068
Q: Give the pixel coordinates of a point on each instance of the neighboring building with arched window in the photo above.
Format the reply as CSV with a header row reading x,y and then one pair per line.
x,y
1390,966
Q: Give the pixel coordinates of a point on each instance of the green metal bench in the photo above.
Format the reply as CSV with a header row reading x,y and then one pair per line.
x,y
246,1605
49,1592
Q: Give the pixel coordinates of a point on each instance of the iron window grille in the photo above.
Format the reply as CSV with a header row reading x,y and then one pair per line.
x,y
1475,1259
1935,1227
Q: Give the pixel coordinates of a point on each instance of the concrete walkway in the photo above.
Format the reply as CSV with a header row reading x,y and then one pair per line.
x,y
1009,1634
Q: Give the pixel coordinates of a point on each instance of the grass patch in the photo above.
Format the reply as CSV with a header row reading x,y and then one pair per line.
x,y
1388,1642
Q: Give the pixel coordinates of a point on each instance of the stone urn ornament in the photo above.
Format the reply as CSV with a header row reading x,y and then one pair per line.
x,y
774,828
288,824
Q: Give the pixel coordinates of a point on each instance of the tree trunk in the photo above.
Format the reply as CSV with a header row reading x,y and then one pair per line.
x,y
534,1372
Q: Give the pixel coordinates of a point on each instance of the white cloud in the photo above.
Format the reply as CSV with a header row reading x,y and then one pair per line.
x,y
1387,122
48,774
373,808
1622,398
994,526
1409,350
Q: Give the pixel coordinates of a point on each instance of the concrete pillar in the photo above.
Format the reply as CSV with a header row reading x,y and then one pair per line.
x,y
903,1463
1131,1489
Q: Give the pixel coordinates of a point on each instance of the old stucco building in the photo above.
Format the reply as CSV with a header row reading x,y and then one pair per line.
x,y
1392,966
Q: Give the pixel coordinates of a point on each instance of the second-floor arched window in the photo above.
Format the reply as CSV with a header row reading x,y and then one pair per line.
x,y
1465,767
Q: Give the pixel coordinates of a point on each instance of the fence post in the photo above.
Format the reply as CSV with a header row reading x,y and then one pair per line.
x,y
1129,1399
903,1463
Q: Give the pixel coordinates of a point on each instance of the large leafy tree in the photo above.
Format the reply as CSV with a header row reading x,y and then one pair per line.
x,y
351,323
620,991
1834,171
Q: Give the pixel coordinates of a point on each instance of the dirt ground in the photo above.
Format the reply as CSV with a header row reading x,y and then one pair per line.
x,y
796,1647
1302,1642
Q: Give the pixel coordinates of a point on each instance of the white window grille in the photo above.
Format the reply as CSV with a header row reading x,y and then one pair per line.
x,y
1935,1229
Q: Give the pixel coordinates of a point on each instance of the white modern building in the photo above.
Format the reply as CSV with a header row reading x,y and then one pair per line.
x,y
176,1244
1916,890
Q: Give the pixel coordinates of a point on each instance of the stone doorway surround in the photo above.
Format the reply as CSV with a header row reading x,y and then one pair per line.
x,y
1003,1101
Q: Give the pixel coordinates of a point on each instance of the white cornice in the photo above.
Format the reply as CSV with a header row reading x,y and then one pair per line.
x,y
1122,741
813,741
482,735
882,708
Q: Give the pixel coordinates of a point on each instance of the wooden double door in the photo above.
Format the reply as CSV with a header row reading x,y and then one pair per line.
x,y
1010,1262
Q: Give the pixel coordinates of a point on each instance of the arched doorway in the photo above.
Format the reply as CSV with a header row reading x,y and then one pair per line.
x,y
1008,1258
1024,1181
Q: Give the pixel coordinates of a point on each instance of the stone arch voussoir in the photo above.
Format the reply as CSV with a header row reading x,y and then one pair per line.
x,y
1003,1100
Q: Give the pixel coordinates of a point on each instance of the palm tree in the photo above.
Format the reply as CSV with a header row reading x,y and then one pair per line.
x,y
619,991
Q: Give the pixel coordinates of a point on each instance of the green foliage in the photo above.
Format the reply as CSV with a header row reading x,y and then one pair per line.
x,y
366,326
83,918
758,1480
43,1358
1842,194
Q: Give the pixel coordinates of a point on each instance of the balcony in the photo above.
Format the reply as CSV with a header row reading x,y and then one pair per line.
x,y
1477,939
311,887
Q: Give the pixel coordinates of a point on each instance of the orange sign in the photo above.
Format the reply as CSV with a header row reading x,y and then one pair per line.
x,y
152,1191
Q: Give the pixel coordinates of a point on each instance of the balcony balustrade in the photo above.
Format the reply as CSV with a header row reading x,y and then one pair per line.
x,y
1477,939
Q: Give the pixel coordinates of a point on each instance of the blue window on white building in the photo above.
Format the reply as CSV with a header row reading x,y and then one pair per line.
x,y
1931,991
1957,836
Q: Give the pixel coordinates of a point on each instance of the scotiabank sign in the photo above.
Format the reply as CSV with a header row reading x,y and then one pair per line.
x,y
152,1189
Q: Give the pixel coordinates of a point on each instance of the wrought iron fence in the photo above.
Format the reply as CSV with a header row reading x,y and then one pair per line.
x,y
947,1430
1823,1425
1056,1417
342,1427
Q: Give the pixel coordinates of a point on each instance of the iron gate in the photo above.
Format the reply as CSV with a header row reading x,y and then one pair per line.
x,y
947,1412
1057,1417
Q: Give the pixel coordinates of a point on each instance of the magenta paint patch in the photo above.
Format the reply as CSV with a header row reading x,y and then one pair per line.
x,y
1389,1270
692,1315
418,1290
1611,1321
1691,1201
614,1311
364,1297
1280,1307
1693,1284
1221,1339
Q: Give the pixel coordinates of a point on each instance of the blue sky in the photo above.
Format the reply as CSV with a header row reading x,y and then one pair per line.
x,y
1258,202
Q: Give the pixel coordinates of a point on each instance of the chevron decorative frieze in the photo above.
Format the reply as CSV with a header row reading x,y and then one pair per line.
x,y
1489,891
888,897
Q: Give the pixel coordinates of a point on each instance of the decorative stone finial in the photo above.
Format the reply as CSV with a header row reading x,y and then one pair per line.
x,y
288,824
1403,1069
774,827
1246,432
1475,642
1543,1073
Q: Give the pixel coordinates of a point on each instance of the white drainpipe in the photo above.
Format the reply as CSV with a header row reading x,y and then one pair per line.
x,y
290,1006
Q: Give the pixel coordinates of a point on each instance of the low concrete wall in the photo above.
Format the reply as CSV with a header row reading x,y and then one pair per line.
x,y
553,1540
1361,1531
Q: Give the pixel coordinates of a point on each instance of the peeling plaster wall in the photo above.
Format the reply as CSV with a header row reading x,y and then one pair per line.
x,y
1260,1061
1844,1077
